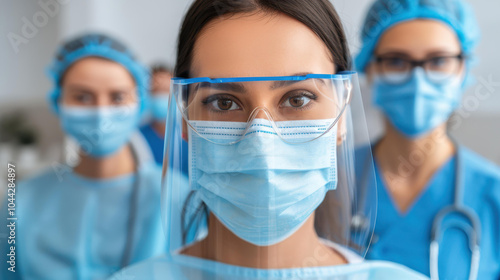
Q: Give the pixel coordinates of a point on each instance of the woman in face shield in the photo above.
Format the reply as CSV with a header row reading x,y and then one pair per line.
x,y
89,220
438,203
272,119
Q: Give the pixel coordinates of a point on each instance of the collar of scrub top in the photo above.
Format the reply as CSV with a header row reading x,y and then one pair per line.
x,y
344,75
458,207
96,49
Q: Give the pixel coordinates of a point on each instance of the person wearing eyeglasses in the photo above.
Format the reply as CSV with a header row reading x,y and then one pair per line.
x,y
438,202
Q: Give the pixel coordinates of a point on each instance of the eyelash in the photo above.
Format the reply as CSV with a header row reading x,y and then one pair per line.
x,y
207,101
301,93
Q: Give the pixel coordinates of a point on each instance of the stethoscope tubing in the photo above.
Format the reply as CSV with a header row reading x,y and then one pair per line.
x,y
134,200
457,208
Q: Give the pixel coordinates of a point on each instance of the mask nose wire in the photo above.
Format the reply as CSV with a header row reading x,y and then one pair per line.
x,y
256,115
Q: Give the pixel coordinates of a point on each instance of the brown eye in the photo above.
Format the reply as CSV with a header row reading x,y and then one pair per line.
x,y
84,98
224,104
118,98
297,101
221,103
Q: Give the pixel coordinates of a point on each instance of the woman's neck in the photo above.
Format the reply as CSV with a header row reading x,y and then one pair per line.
x,y
408,164
302,249
117,164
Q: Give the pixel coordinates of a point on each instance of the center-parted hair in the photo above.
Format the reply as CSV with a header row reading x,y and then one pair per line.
x,y
319,15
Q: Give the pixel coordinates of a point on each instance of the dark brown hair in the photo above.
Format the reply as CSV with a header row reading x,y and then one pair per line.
x,y
319,15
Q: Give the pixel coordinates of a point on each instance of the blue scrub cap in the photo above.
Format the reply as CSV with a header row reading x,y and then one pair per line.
x,y
98,45
383,14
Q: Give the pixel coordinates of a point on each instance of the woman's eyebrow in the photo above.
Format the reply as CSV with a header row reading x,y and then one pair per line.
x,y
240,88
279,84
232,87
393,53
80,88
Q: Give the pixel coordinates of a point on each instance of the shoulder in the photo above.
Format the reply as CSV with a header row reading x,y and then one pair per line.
x,y
388,270
480,172
46,179
479,165
33,192
150,174
481,178
349,255
150,169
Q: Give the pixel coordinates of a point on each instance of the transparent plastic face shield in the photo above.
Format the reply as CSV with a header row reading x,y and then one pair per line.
x,y
272,161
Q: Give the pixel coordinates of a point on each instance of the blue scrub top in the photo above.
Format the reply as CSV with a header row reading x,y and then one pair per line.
x,y
72,227
405,237
156,143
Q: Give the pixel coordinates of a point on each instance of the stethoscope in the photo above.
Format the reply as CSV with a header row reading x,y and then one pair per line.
x,y
134,200
472,228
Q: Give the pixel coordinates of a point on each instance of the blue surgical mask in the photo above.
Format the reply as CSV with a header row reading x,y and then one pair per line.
x,y
159,106
419,105
100,131
262,188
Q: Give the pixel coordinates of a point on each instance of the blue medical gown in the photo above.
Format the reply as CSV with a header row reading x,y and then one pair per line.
x,y
71,227
405,237
186,267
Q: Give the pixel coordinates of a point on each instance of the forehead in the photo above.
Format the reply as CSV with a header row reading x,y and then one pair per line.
x,y
98,71
258,44
419,37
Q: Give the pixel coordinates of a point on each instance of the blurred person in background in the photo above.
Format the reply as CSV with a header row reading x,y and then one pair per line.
x,y
158,102
438,202
90,220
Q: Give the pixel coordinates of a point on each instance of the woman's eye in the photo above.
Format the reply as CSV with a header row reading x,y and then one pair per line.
x,y
396,63
297,101
224,104
117,98
84,98
438,61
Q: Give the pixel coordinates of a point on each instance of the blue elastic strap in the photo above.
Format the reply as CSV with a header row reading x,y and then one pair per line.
x,y
339,76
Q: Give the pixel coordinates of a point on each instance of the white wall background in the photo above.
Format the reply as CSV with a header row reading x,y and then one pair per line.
x,y
150,29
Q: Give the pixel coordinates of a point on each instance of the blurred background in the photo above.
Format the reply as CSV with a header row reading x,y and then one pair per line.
x,y
30,134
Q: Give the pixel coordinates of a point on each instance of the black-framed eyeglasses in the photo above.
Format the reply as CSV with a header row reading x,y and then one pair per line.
x,y
438,69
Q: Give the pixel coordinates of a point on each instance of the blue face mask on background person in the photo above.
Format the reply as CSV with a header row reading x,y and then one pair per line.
x,y
159,106
100,131
262,188
418,105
